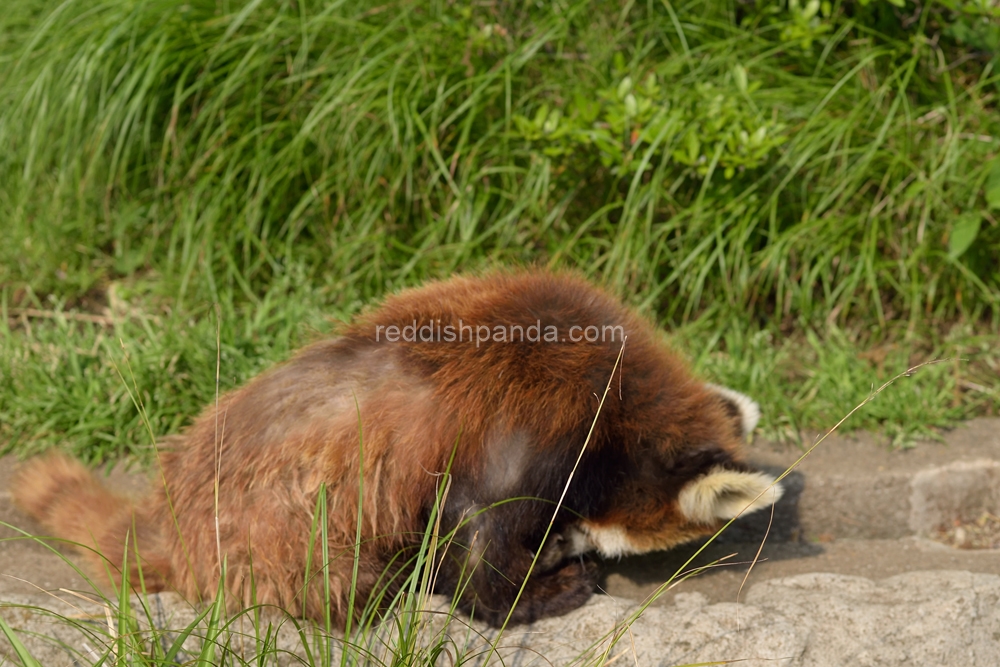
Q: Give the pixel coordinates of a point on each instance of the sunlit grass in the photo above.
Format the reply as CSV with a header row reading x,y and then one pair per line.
x,y
292,162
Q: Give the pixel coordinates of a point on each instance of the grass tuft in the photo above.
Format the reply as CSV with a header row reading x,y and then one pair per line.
x,y
829,183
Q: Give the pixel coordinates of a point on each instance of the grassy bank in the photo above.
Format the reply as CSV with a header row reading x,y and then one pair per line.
x,y
808,196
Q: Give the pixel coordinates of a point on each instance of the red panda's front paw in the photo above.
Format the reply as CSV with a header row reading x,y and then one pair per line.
x,y
556,593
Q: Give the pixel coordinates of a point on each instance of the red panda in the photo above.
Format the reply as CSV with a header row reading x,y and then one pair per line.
x,y
492,380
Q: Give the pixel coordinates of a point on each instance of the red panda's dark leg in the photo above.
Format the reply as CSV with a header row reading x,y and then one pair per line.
x,y
492,588
556,592
491,555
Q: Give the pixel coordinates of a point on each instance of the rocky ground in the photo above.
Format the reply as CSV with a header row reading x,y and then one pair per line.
x,y
859,568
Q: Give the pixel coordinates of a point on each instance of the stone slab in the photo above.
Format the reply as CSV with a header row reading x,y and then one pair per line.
x,y
941,618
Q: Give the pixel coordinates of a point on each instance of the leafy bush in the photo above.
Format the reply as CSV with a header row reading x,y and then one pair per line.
x,y
630,125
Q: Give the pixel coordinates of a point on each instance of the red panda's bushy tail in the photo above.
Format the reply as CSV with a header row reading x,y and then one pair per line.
x,y
68,499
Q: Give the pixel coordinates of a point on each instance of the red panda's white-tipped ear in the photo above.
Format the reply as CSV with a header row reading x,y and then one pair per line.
x,y
723,494
745,407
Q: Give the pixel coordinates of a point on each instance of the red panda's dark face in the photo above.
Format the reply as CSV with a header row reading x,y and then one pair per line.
x,y
671,497
641,524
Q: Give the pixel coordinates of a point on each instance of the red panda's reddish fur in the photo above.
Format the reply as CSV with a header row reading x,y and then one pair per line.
x,y
515,415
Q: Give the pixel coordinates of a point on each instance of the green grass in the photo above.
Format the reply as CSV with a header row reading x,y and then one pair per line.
x,y
808,203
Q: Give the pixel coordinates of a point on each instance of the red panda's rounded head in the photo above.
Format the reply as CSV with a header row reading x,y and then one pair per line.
x,y
674,494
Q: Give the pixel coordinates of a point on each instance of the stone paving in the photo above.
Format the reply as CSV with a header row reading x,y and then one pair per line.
x,y
850,574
